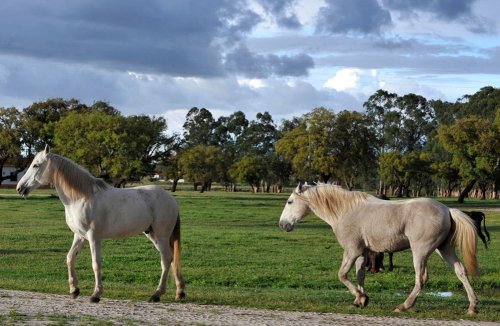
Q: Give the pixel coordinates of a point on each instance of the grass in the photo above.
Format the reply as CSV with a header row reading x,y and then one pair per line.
x,y
234,254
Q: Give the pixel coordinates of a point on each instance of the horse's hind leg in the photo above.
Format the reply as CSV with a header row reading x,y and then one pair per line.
x,y
391,264
447,252
360,274
175,247
163,245
77,245
347,262
420,265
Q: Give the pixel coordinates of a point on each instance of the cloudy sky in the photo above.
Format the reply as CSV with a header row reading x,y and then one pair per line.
x,y
162,57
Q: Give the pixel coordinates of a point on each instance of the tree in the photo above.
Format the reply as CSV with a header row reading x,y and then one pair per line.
x,y
10,140
199,128
259,137
469,141
38,123
110,145
202,164
336,147
353,147
417,122
484,103
377,109
145,144
401,171
96,141
169,164
294,147
251,170
308,146
227,131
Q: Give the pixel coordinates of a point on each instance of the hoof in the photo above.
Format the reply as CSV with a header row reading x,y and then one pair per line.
x,y
75,293
180,296
361,302
95,299
472,311
400,308
154,298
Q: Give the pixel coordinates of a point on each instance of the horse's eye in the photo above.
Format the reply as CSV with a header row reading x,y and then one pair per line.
x,y
36,166
289,202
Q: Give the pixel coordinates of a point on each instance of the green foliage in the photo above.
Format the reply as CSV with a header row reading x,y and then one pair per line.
x,y
10,138
109,144
468,140
95,140
484,103
233,253
405,170
250,170
199,127
334,146
202,164
345,147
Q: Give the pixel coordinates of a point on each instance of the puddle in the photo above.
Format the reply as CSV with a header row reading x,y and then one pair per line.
x,y
441,294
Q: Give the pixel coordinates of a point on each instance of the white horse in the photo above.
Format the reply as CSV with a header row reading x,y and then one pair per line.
x,y
95,211
363,223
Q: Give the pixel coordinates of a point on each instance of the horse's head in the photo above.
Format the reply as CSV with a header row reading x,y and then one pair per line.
x,y
295,209
36,175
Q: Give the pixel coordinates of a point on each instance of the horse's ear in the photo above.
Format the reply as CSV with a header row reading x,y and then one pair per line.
x,y
46,150
299,188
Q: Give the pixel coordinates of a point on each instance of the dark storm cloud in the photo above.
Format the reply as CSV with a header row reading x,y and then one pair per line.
x,y
179,38
444,9
358,16
282,11
259,66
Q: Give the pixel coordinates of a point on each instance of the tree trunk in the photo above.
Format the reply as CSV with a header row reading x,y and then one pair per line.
x,y
483,186
466,191
174,184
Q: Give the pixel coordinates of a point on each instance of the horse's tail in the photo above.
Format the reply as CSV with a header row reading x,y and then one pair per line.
x,y
465,236
175,245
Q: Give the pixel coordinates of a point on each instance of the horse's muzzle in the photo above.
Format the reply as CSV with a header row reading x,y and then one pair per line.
x,y
286,226
22,190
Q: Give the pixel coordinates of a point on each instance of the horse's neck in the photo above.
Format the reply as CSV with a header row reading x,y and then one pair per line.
x,y
325,215
63,196
71,186
331,210
331,219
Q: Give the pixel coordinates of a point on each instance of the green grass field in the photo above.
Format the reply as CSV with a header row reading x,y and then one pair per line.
x,y
234,254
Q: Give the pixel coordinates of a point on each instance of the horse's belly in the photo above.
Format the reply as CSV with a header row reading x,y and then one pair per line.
x,y
389,244
127,221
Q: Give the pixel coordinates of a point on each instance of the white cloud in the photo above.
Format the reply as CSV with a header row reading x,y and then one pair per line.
x,y
252,83
344,79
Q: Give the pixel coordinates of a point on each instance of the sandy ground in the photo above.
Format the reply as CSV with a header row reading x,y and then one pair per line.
x,y
31,308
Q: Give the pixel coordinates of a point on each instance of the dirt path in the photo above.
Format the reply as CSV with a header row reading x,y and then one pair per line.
x,y
31,308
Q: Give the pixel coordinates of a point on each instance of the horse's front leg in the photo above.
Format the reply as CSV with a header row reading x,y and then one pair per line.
x,y
95,250
77,245
347,262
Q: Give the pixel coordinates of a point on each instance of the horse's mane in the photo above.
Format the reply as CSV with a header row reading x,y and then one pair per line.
x,y
74,181
331,202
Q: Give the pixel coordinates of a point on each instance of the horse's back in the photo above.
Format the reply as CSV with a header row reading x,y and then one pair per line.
x,y
158,199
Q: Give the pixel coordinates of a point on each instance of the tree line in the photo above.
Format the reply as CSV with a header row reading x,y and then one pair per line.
x,y
400,145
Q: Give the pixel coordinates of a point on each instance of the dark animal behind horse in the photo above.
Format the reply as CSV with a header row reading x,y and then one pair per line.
x,y
477,217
